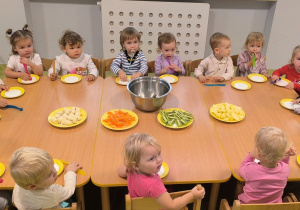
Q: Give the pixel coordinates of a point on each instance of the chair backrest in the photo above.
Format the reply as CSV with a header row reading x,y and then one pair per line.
x,y
106,63
234,59
46,63
97,62
193,64
151,204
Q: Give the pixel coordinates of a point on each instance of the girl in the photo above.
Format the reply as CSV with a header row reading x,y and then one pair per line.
x,y
270,150
167,62
73,61
253,46
23,55
142,163
130,61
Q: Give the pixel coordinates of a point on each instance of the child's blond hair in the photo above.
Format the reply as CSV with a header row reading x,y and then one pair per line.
x,y
216,38
30,165
254,37
71,38
165,38
296,49
133,147
128,34
271,143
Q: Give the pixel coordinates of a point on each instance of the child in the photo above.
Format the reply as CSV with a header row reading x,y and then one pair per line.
x,y
167,62
131,61
142,163
23,54
292,71
266,181
34,173
253,46
3,102
218,65
73,61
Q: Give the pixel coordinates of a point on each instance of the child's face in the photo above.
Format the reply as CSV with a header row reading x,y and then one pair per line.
x,y
168,49
224,49
24,48
131,45
49,179
254,47
296,61
150,161
73,51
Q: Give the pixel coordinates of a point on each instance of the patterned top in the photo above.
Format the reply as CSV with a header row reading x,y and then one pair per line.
x,y
161,63
14,63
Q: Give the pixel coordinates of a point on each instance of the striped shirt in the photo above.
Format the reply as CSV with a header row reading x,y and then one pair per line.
x,y
121,63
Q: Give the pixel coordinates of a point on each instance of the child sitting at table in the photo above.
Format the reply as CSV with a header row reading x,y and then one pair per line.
x,y
142,162
291,71
252,48
23,55
167,62
219,64
265,181
131,61
3,102
73,61
34,173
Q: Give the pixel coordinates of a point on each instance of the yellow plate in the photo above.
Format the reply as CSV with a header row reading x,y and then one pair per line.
x,y
13,92
131,113
121,82
229,121
283,82
169,78
34,77
241,85
287,103
298,159
175,125
71,78
257,77
58,165
164,170
52,114
2,169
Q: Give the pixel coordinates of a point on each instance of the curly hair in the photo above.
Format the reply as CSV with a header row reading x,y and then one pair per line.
x,y
71,38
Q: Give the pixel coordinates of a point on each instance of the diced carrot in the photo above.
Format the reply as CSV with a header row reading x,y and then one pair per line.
x,y
119,119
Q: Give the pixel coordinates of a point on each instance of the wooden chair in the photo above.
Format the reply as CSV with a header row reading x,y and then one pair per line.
x,y
193,65
151,204
106,63
97,62
234,59
46,63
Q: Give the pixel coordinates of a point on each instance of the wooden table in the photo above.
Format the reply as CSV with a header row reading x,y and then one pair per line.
x,y
262,108
194,154
31,127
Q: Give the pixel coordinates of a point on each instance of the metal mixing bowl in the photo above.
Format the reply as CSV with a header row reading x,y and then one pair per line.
x,y
148,93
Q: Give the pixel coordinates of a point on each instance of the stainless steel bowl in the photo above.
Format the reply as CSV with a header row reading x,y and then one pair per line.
x,y
148,93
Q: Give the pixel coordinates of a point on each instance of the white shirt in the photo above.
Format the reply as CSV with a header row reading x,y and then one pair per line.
x,y
14,63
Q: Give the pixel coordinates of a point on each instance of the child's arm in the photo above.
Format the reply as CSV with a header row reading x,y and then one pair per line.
x,y
3,87
122,171
178,68
228,74
248,159
37,69
279,72
9,73
92,70
159,70
143,64
201,69
3,103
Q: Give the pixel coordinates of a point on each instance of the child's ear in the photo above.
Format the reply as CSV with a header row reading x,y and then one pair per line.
x,y
31,187
134,165
216,50
63,48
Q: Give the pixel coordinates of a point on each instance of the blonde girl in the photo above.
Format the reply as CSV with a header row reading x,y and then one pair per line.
x,y
252,49
22,55
142,162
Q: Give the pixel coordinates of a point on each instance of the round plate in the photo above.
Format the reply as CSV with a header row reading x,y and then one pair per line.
x,y
131,113
2,169
164,170
283,82
298,159
120,82
241,85
71,78
13,92
174,126
287,103
34,79
58,165
52,114
169,78
257,77
231,121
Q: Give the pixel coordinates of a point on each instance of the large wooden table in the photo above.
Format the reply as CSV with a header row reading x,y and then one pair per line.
x,y
262,108
194,154
31,127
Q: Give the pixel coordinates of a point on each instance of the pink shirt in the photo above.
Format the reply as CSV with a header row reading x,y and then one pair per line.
x,y
140,185
263,185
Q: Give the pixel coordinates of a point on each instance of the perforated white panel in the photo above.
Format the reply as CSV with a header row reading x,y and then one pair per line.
x,y
187,21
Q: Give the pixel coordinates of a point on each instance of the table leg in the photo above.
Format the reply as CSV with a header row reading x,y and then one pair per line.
x,y
80,197
213,196
105,198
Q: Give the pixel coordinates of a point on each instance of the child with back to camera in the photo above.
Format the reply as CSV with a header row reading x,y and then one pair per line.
x,y
218,65
34,173
142,162
265,181
73,61
22,55
131,61
253,46
167,62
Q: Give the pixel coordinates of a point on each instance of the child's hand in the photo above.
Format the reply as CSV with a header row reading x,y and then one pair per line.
x,y
25,61
290,152
91,78
219,78
202,78
274,78
136,75
290,86
122,76
297,101
266,75
25,76
3,87
198,194
3,103
176,68
53,76
73,166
